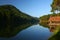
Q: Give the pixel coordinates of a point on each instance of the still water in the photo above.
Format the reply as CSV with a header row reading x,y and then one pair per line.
x,y
34,32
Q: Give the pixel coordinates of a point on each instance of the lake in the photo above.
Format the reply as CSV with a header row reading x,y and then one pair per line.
x,y
34,32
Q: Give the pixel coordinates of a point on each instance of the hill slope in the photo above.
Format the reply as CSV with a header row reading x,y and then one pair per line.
x,y
11,20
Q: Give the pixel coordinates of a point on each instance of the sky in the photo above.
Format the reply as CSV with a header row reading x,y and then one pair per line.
x,y
35,8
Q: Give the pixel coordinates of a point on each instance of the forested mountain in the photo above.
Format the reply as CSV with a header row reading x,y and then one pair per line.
x,y
12,20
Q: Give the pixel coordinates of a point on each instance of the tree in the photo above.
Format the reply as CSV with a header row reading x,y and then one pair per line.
x,y
55,6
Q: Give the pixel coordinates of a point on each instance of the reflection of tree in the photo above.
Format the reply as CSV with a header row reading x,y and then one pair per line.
x,y
44,24
56,34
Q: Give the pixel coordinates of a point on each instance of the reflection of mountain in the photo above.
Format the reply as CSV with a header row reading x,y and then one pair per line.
x,y
12,20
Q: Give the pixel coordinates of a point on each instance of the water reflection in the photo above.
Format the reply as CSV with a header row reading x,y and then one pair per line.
x,y
54,29
34,32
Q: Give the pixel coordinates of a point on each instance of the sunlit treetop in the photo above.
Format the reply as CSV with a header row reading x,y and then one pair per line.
x,y
55,5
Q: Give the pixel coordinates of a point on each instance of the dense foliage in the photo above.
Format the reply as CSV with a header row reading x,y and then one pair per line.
x,y
55,5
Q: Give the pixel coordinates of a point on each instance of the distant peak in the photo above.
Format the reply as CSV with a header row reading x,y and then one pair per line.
x,y
7,5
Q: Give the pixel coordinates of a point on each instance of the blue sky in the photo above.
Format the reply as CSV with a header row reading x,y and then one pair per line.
x,y
34,8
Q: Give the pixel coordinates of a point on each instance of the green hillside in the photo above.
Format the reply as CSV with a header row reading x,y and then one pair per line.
x,y
44,19
12,20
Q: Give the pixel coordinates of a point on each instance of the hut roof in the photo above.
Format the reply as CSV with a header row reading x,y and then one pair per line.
x,y
55,18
